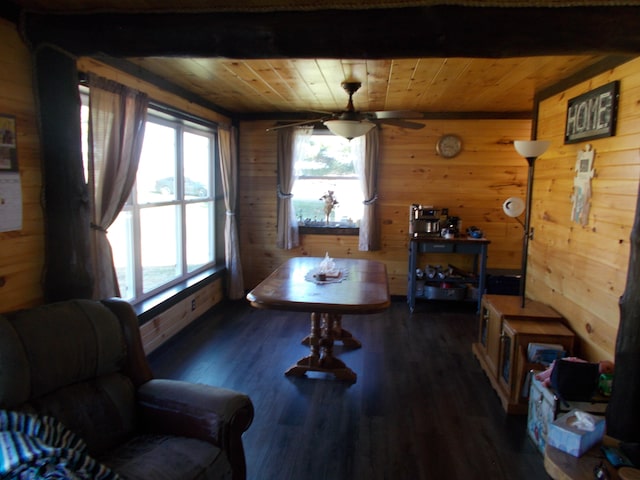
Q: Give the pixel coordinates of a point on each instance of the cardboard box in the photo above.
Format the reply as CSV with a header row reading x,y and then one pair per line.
x,y
565,436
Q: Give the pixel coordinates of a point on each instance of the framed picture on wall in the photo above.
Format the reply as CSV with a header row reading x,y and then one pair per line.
x,y
593,114
8,150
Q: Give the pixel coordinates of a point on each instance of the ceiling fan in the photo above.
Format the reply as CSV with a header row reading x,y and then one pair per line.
x,y
351,123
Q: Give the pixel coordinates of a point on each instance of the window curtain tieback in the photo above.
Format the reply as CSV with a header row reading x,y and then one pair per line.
x,y
372,200
284,195
229,213
98,227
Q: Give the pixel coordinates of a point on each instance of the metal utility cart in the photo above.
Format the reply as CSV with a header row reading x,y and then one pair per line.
x,y
459,245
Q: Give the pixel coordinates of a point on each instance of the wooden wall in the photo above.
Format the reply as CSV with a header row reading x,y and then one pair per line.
x,y
581,270
21,251
472,185
166,324
578,270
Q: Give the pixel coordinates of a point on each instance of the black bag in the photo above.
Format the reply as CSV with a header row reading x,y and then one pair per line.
x,y
576,381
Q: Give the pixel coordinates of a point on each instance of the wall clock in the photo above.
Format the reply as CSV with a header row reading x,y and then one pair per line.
x,y
449,145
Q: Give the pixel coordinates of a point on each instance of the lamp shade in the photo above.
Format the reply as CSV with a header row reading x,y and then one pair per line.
x,y
531,148
349,128
513,206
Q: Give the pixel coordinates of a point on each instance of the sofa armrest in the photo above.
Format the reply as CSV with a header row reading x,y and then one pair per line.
x,y
136,366
217,415
193,409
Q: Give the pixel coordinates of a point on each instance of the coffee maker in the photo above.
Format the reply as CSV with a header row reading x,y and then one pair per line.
x,y
424,221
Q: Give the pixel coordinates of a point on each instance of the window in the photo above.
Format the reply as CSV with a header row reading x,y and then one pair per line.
x,y
165,232
327,164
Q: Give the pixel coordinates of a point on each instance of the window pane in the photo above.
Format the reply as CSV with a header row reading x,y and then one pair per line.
x,y
120,237
197,150
159,230
200,242
84,125
328,155
310,208
328,165
157,170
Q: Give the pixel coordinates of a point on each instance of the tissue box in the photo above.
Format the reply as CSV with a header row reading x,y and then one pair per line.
x,y
566,437
545,407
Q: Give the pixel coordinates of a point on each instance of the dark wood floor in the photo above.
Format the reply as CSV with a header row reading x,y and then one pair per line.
x,y
421,408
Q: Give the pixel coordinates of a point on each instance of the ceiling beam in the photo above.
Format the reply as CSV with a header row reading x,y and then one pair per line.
x,y
437,31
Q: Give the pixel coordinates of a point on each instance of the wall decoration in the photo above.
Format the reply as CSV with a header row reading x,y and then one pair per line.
x,y
8,151
10,202
10,185
582,185
593,114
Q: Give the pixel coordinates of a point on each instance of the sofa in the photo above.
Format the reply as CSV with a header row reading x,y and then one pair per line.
x,y
78,368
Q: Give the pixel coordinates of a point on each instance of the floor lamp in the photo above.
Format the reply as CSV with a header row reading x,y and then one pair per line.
x,y
531,150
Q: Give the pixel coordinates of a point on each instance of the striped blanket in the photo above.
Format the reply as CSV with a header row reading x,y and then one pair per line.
x,y
33,447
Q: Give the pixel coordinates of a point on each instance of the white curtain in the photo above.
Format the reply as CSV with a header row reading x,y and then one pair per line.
x,y
366,166
117,118
291,143
227,141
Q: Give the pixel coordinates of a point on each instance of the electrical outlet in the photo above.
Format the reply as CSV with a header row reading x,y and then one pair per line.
x,y
193,304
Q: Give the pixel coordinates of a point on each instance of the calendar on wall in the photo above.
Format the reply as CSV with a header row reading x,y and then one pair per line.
x,y
10,184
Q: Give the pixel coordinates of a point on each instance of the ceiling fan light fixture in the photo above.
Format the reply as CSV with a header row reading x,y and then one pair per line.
x,y
349,128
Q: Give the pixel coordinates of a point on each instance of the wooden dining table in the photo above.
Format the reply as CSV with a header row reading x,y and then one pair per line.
x,y
354,287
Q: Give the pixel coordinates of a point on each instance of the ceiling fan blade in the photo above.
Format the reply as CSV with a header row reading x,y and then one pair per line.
x,y
398,122
382,115
324,112
295,124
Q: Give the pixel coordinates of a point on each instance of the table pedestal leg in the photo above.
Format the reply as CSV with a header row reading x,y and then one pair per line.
x,y
321,358
339,334
342,335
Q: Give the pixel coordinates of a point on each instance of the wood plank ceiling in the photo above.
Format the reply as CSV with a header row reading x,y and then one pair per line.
x,y
262,86
419,84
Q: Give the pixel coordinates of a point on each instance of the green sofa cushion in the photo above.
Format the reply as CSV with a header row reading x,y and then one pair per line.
x,y
62,344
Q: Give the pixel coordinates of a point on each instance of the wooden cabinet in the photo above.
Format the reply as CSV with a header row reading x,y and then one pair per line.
x,y
489,338
505,330
514,367
494,309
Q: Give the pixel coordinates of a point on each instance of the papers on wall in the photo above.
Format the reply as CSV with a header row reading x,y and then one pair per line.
x,y
10,186
10,202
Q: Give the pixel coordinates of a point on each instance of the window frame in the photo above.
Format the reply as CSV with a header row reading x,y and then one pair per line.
x,y
346,230
182,123
180,201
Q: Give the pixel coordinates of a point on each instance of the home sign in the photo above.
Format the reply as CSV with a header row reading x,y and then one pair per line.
x,y
593,114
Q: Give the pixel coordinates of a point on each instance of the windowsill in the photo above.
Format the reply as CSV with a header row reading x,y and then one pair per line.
x,y
151,307
328,230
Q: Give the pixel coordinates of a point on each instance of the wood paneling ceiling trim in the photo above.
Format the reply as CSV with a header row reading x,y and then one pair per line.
x,y
138,6
438,31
